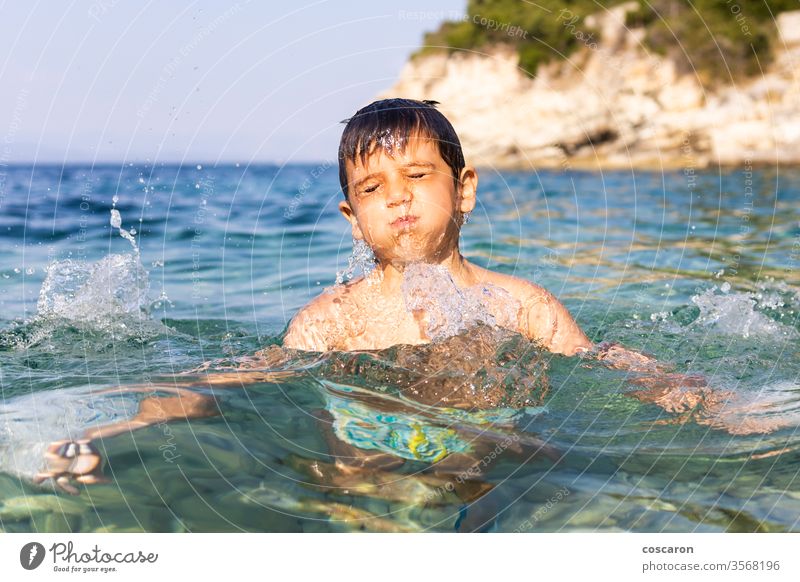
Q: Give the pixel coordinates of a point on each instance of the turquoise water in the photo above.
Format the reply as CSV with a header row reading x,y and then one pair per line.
x,y
700,270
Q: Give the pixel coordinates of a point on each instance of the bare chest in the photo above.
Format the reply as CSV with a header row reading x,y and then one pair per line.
x,y
370,323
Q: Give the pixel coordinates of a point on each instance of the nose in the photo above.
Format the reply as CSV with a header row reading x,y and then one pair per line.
x,y
399,193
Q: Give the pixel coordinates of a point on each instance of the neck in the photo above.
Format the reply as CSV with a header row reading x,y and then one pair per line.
x,y
391,275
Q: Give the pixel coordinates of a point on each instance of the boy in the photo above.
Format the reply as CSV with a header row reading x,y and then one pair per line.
x,y
407,191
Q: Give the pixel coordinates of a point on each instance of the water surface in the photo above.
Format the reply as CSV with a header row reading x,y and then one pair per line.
x,y
701,273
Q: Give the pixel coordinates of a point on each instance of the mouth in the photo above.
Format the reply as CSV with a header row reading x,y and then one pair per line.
x,y
404,221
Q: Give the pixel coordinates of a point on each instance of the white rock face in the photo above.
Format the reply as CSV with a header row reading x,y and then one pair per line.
x,y
612,104
789,27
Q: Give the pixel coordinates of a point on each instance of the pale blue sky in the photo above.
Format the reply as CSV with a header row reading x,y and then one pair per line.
x,y
112,80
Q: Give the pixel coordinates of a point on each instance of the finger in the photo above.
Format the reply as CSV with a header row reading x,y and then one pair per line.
x,y
92,479
67,450
55,445
40,478
84,464
65,485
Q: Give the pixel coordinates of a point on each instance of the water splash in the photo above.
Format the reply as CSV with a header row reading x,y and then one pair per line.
x,y
451,310
116,222
480,369
99,295
94,293
362,258
743,314
108,296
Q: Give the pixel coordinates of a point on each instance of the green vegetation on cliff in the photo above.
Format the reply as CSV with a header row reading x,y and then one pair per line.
x,y
718,39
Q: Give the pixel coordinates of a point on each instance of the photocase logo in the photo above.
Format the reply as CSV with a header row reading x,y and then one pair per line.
x,y
31,555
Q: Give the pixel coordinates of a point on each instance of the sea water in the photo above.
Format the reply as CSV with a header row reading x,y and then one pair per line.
x,y
122,275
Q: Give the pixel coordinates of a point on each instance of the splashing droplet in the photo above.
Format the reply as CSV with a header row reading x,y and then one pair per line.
x,y
116,222
361,258
737,313
116,218
450,310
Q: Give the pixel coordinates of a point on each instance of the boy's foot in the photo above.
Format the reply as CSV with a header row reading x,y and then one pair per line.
x,y
67,460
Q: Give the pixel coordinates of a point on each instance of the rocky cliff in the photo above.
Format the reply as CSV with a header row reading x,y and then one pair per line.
x,y
612,104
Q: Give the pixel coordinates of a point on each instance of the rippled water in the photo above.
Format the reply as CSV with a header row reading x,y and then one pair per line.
x,y
700,271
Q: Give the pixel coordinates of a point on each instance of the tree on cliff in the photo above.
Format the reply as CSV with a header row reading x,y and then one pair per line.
x,y
718,40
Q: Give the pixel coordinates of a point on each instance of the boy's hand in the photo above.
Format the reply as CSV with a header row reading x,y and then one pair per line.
x,y
675,392
692,398
688,395
617,357
72,460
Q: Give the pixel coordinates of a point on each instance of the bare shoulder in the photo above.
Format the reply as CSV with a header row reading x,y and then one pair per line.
x,y
522,290
542,316
308,329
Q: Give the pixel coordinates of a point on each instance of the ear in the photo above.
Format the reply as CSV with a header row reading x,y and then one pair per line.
x,y
468,181
350,215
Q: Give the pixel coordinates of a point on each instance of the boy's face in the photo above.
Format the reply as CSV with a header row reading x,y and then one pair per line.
x,y
407,207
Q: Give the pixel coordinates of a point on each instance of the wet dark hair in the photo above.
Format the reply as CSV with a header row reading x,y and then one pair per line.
x,y
387,124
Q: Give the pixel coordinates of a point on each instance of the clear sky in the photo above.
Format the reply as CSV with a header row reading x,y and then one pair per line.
x,y
113,80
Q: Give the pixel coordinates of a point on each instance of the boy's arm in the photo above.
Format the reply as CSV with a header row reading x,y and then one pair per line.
x,y
549,322
690,396
79,460
686,394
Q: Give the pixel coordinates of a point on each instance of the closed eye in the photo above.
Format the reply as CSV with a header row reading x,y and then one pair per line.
x,y
370,189
417,176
